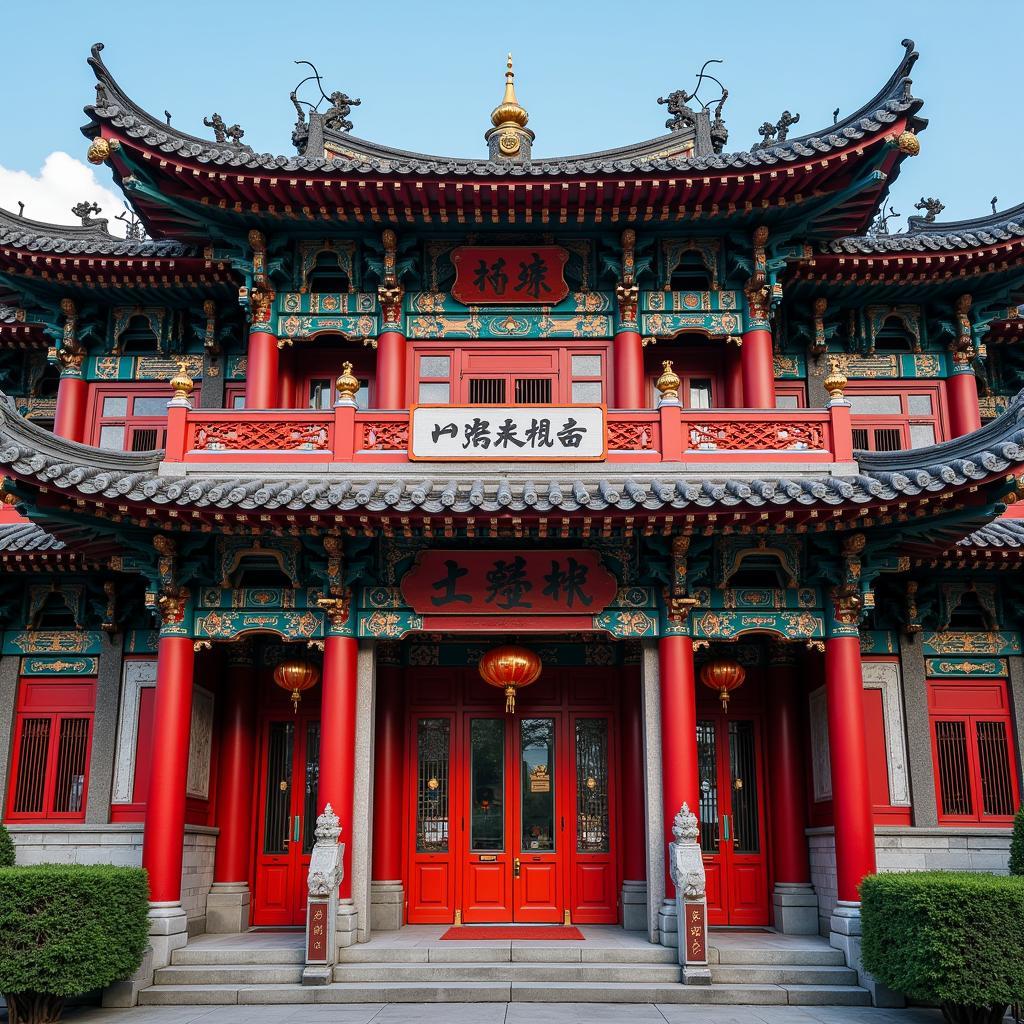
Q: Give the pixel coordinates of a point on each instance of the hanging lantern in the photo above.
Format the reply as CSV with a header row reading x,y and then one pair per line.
x,y
297,676
723,675
510,669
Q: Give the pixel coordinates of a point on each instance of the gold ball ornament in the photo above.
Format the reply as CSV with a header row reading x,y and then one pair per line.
x,y
182,383
100,150
668,383
347,384
909,143
835,384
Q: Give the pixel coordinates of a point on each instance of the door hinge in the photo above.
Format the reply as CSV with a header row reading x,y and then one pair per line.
x,y
567,922
458,916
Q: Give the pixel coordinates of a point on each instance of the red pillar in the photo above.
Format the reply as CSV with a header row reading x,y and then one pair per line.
x,y
286,380
962,396
387,779
338,739
633,830
164,831
69,418
261,383
787,775
758,369
679,777
628,359
851,788
733,377
235,773
390,382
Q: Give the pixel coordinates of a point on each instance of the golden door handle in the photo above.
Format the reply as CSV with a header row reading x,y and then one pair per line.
x,y
515,868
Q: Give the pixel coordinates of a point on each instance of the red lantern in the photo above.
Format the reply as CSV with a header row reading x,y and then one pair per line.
x,y
724,676
510,668
296,676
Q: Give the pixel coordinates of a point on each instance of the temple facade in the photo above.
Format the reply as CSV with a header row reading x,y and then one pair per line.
x,y
336,449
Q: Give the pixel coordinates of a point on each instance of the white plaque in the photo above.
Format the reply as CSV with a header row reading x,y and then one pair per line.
x,y
507,433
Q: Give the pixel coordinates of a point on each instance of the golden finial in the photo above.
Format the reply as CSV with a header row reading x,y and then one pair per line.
x,y
835,384
183,385
509,111
668,384
908,143
347,385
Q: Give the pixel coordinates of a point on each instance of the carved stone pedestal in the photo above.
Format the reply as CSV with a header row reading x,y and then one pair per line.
x,y
634,906
668,924
347,932
168,931
227,908
686,869
326,870
796,908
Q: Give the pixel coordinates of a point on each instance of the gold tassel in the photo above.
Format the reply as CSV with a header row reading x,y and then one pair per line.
x,y
510,700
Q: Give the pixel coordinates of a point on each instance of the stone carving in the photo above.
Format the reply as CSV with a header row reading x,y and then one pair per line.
x,y
325,864
686,866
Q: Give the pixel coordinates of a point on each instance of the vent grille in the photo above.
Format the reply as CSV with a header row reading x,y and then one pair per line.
x,y
533,391
487,390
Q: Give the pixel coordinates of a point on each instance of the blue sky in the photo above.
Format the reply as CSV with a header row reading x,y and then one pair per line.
x,y
589,73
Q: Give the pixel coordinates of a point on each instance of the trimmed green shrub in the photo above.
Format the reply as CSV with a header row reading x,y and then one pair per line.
x,y
1017,843
66,930
6,849
951,938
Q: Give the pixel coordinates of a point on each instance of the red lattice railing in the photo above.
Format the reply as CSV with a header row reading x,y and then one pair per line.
x,y
385,436
291,435
749,435
632,435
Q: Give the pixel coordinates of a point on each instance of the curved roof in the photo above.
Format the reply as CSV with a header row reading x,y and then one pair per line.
x,y
1000,533
935,236
78,239
113,107
27,537
38,457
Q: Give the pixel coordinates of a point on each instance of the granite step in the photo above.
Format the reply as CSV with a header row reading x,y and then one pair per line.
x,y
229,974
466,952
781,974
236,956
559,973
810,956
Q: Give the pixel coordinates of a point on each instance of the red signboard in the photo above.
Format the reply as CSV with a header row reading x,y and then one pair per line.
x,y
318,916
516,583
696,933
505,274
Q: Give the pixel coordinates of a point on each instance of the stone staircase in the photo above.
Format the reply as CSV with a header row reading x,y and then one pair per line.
x,y
807,972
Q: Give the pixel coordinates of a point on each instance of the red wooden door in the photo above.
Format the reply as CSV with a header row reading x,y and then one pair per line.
x,y
539,820
732,819
289,771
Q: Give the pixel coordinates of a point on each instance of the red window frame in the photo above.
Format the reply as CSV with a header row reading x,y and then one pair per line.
x,y
54,701
870,423
971,703
791,389
133,424
234,395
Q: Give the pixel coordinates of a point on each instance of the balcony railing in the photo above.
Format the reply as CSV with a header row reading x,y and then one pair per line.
x,y
668,434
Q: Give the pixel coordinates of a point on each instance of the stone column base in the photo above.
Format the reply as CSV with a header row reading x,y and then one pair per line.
x,y
634,906
126,993
168,931
227,908
796,908
387,902
348,924
845,934
668,924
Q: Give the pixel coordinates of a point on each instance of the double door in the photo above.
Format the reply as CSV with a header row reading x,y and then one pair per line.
x,y
513,819
732,832
289,776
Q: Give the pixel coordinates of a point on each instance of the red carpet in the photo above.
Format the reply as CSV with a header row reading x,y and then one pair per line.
x,y
552,932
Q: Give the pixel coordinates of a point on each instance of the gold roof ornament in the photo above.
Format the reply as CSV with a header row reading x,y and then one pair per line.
x,y
346,385
509,138
183,386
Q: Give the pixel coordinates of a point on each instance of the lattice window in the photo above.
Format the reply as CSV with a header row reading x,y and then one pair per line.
x,y
630,436
52,736
433,743
753,435
133,421
592,785
385,436
889,420
256,435
974,758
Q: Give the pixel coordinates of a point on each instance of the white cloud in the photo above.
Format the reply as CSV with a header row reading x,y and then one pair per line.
x,y
62,182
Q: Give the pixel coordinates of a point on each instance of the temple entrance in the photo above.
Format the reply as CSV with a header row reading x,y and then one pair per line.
x,y
732,827
287,810
512,817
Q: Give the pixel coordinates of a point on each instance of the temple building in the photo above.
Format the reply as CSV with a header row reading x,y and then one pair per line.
x,y
506,505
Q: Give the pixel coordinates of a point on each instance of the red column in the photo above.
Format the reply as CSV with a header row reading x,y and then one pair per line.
x,y
261,383
733,377
390,382
387,779
286,379
164,831
786,772
235,774
679,777
962,396
338,739
851,789
628,359
758,369
633,830
69,418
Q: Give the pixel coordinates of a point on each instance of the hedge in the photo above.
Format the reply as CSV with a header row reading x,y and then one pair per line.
x,y
67,930
6,849
1017,843
951,938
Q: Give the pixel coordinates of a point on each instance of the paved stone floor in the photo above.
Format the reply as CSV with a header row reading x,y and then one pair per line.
x,y
497,1013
